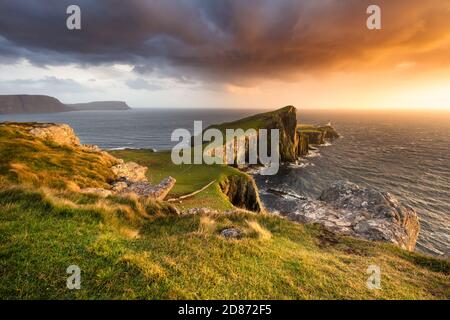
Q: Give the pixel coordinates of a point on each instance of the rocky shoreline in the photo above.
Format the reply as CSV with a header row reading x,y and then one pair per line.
x,y
343,208
348,209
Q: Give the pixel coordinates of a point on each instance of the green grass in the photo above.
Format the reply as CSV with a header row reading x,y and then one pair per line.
x,y
190,177
258,121
26,159
170,257
131,248
251,122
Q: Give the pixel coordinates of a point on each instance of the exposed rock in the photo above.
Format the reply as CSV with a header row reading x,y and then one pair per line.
x,y
161,190
130,171
242,192
231,233
98,191
196,211
302,148
61,134
348,209
91,148
145,189
329,132
119,186
315,137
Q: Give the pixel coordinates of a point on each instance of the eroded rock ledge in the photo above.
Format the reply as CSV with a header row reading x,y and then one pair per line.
x,y
348,209
242,192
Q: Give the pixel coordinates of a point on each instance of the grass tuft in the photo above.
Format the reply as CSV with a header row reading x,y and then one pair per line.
x,y
258,231
207,225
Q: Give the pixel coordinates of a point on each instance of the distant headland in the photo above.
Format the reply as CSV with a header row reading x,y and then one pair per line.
x,y
28,104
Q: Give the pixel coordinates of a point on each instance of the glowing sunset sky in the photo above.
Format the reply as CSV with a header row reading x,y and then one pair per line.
x,y
243,53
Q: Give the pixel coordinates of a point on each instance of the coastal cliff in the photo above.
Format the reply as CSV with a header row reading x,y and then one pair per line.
x,y
113,176
23,104
31,104
242,192
61,201
295,139
343,208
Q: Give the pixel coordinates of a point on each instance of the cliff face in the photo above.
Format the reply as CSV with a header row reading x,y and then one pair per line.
x,y
10,104
23,104
286,121
242,192
61,134
329,132
303,145
100,105
295,139
316,135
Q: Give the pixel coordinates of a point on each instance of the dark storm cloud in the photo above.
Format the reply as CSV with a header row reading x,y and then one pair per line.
x,y
222,39
40,86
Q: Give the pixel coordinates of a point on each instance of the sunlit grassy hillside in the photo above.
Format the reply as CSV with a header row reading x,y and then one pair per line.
x,y
130,248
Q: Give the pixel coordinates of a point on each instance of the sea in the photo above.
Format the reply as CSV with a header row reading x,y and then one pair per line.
x,y
406,153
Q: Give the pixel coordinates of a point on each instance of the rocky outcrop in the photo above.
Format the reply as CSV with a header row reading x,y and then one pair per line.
x,y
329,132
61,134
346,208
119,177
22,104
317,135
231,233
303,145
145,189
242,192
131,177
314,137
130,171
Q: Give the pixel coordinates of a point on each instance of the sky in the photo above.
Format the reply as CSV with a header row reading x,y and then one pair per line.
x,y
230,53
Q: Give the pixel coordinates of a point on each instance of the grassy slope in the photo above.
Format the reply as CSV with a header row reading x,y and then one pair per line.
x,y
130,248
189,177
26,159
184,257
257,121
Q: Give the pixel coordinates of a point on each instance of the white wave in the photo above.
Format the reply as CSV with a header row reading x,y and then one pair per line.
x,y
299,165
313,154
